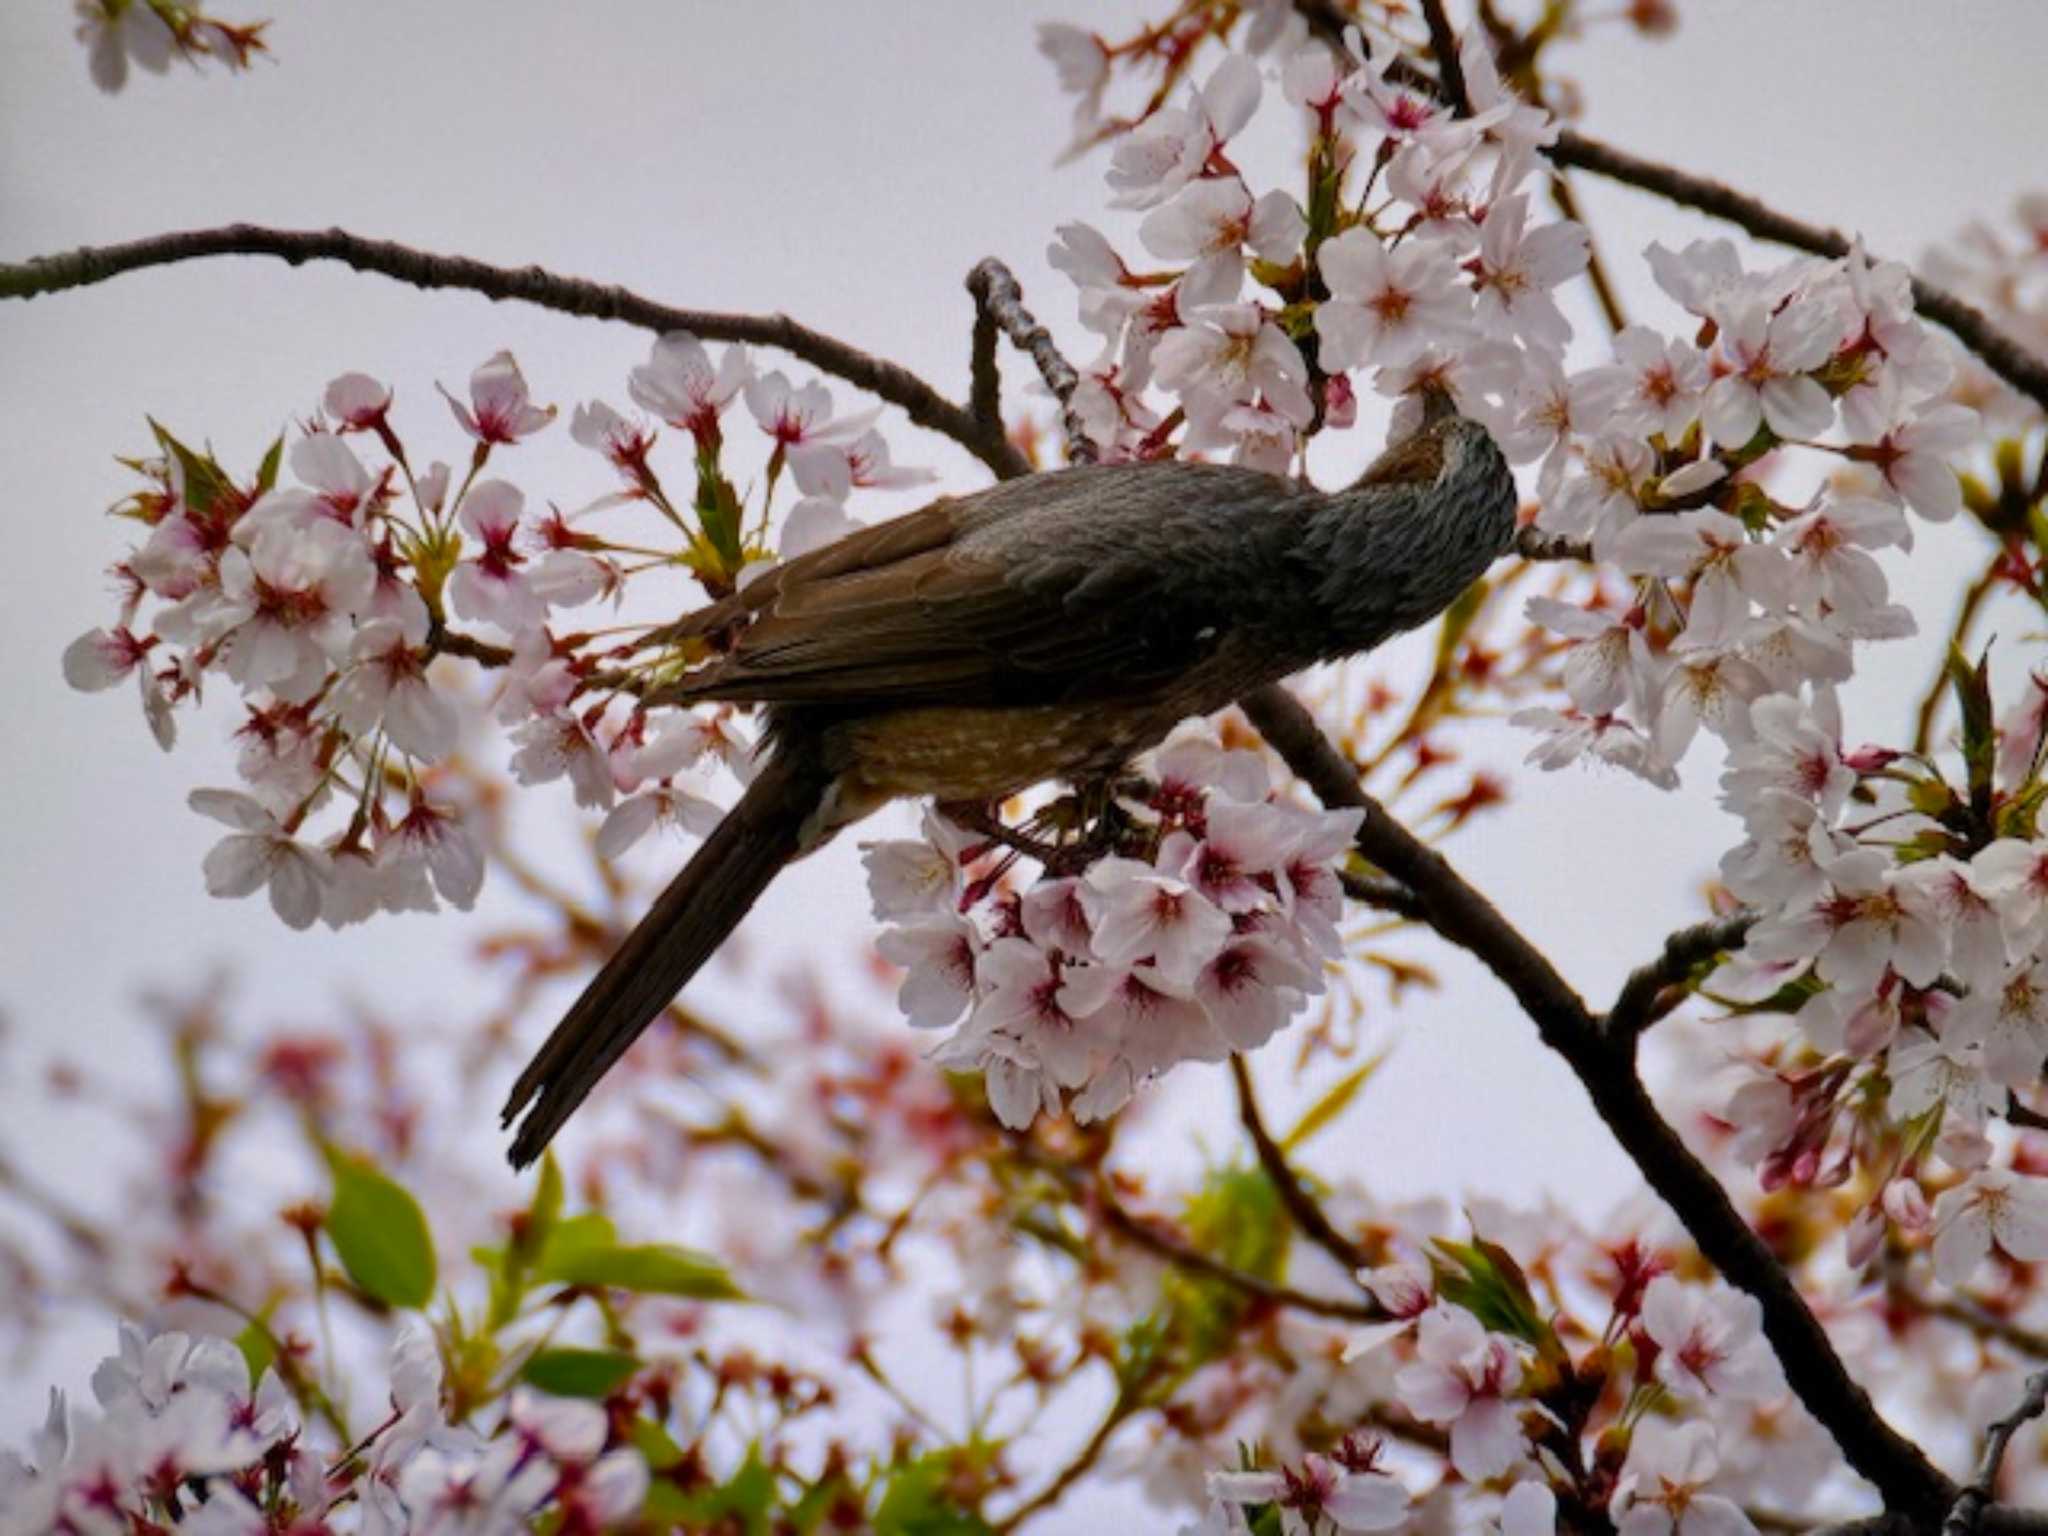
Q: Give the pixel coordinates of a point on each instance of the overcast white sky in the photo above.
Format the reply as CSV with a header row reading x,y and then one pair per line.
x,y
847,164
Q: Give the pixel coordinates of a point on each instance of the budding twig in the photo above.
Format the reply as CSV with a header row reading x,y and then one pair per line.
x,y
1969,1505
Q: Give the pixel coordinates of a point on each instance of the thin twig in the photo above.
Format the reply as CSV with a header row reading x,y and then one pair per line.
x,y
1606,1069
530,285
1182,1254
997,295
1450,69
1640,1003
1596,270
1970,1503
1306,1210
1084,1460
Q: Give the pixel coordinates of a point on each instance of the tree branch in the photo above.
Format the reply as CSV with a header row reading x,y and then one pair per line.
x,y
997,296
1450,69
1301,1205
1606,1069
1182,1254
1970,1503
1636,1007
529,285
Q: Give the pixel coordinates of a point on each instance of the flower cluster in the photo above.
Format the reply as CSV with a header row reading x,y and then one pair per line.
x,y
1500,1389
1198,931
327,603
1663,460
1431,272
183,1442
150,34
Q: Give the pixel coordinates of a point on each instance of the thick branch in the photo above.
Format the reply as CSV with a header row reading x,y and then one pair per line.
x,y
1301,1205
1638,1005
1606,1069
997,296
530,285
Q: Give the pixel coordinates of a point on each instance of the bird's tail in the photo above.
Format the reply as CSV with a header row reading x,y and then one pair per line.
x,y
682,930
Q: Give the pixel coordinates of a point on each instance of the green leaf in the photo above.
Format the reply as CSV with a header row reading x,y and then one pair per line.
x,y
657,1447
1485,1280
915,1503
266,472
579,1372
1333,1103
380,1234
1972,687
575,1235
2020,816
205,481
659,1269
257,1351
744,1503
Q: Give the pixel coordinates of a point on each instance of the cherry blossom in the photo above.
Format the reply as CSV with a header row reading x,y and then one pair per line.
x,y
1170,148
1321,1489
261,854
680,384
1465,1378
499,410
1385,306
1709,1343
1662,1488
1992,1208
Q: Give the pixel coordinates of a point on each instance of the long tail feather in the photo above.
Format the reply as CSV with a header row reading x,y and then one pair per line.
x,y
682,930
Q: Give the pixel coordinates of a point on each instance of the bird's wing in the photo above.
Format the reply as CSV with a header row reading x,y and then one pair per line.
x,y
1076,584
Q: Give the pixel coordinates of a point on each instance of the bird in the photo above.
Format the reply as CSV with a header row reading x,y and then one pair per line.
x,y
1049,627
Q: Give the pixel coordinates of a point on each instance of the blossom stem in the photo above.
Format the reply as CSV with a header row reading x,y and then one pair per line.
x,y
1307,1212
889,381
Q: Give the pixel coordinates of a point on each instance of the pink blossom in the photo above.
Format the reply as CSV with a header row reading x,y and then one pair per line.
x,y
1710,1343
1516,269
1662,1491
499,409
1464,1377
1385,306
260,854
492,587
1170,148
680,384
1994,1207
